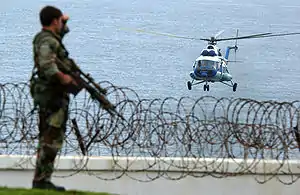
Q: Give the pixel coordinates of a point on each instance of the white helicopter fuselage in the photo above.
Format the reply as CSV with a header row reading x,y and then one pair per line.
x,y
211,66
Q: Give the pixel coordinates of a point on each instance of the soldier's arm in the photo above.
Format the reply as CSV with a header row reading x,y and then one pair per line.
x,y
46,60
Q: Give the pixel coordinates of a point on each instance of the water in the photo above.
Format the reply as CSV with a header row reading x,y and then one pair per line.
x,y
157,66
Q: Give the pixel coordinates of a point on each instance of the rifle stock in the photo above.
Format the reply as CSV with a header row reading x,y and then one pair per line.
x,y
97,93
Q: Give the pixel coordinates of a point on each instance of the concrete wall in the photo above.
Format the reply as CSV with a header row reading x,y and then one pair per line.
x,y
236,177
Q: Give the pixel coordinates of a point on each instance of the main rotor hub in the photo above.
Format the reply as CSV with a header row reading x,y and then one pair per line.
x,y
213,41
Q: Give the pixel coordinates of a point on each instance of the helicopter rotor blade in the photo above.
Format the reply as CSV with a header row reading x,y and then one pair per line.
x,y
280,34
263,35
165,34
245,37
260,35
219,33
235,61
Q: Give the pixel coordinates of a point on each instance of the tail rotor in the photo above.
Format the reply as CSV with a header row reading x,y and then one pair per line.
x,y
235,46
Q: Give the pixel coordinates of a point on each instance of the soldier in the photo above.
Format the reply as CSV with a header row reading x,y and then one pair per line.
x,y
48,90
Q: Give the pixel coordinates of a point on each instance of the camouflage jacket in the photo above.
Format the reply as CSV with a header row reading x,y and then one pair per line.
x,y
45,89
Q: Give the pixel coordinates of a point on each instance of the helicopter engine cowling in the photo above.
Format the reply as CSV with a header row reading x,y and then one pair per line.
x,y
226,77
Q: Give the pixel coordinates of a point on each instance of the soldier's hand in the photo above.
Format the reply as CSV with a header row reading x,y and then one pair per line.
x,y
64,78
69,80
73,82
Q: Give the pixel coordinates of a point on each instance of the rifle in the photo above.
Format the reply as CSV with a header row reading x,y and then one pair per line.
x,y
97,93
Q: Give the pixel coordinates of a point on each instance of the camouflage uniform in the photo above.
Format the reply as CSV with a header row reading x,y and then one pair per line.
x,y
52,100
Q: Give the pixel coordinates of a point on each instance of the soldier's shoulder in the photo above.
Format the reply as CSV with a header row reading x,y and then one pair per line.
x,y
44,35
45,38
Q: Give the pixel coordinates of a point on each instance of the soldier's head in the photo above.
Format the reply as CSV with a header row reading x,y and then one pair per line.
x,y
52,18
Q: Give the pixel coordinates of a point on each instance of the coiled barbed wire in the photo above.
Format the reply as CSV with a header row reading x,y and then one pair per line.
x,y
196,137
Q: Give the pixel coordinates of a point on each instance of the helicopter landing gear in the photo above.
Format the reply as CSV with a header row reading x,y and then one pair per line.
x,y
206,87
189,85
234,86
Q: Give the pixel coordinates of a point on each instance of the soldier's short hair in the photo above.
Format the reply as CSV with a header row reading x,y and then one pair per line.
x,y
48,14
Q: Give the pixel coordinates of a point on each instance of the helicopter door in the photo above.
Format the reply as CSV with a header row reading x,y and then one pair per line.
x,y
222,67
217,64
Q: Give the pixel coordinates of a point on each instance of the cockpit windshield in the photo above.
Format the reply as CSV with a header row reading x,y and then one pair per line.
x,y
208,64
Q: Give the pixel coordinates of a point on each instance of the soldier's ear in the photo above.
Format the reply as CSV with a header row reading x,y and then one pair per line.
x,y
55,21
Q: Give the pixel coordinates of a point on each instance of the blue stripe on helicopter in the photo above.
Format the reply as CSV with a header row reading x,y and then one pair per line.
x,y
227,53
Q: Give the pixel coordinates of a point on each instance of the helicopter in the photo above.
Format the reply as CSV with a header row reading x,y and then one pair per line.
x,y
211,65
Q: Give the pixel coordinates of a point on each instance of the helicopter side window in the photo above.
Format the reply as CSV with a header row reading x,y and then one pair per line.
x,y
195,63
199,63
214,65
217,65
198,66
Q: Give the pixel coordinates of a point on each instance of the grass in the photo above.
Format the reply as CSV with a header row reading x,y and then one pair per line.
x,y
22,191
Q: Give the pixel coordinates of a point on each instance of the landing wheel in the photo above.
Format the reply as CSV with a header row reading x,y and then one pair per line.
x,y
234,86
206,87
189,85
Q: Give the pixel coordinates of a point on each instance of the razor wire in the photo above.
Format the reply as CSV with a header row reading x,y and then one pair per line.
x,y
191,137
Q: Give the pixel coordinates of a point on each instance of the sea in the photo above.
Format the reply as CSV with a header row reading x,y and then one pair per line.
x,y
158,66
105,43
